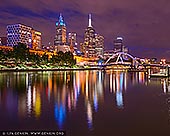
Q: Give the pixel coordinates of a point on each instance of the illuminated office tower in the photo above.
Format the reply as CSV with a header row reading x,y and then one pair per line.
x,y
82,48
119,46
36,39
89,40
99,41
60,38
72,41
19,33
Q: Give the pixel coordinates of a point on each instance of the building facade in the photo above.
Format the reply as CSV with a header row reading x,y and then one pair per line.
x,y
82,48
60,40
72,41
36,39
60,37
99,41
19,33
88,47
3,41
89,42
93,43
119,46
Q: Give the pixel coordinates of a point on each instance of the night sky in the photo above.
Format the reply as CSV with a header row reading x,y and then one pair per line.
x,y
144,24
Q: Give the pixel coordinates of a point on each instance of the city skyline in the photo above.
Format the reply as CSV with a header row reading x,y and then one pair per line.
x,y
143,26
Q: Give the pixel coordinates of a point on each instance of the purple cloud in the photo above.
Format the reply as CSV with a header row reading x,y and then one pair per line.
x,y
143,24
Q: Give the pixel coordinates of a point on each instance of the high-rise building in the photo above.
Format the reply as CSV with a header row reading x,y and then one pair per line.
x,y
60,38
3,40
72,41
19,33
99,41
89,40
36,39
119,46
60,41
93,43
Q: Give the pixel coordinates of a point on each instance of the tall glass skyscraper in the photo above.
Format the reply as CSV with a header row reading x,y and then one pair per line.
x,y
89,40
93,43
60,37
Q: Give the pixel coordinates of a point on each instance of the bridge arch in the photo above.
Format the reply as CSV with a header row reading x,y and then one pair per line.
x,y
120,60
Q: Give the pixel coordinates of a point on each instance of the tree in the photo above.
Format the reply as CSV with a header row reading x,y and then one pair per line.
x,y
44,58
69,59
21,52
62,59
1,54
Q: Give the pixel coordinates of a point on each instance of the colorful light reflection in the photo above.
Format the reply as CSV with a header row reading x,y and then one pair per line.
x,y
60,114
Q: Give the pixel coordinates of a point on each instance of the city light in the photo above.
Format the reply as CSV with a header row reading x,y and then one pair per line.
x,y
163,61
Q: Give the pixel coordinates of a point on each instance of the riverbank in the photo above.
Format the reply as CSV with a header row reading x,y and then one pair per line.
x,y
47,69
65,69
23,67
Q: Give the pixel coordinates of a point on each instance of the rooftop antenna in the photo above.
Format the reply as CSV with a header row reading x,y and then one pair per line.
x,y
90,25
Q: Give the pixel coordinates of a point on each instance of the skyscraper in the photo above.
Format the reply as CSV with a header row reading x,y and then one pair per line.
x,y
99,41
93,43
60,38
89,40
60,41
72,41
19,33
119,46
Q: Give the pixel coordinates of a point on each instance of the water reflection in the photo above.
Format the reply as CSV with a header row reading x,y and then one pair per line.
x,y
118,82
165,82
60,114
29,95
165,85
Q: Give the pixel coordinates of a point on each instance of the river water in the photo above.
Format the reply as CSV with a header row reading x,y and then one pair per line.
x,y
85,103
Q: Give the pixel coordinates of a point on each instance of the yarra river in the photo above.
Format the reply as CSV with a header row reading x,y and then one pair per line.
x,y
85,103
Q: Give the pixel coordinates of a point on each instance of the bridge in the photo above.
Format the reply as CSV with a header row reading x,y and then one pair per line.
x,y
122,58
154,70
